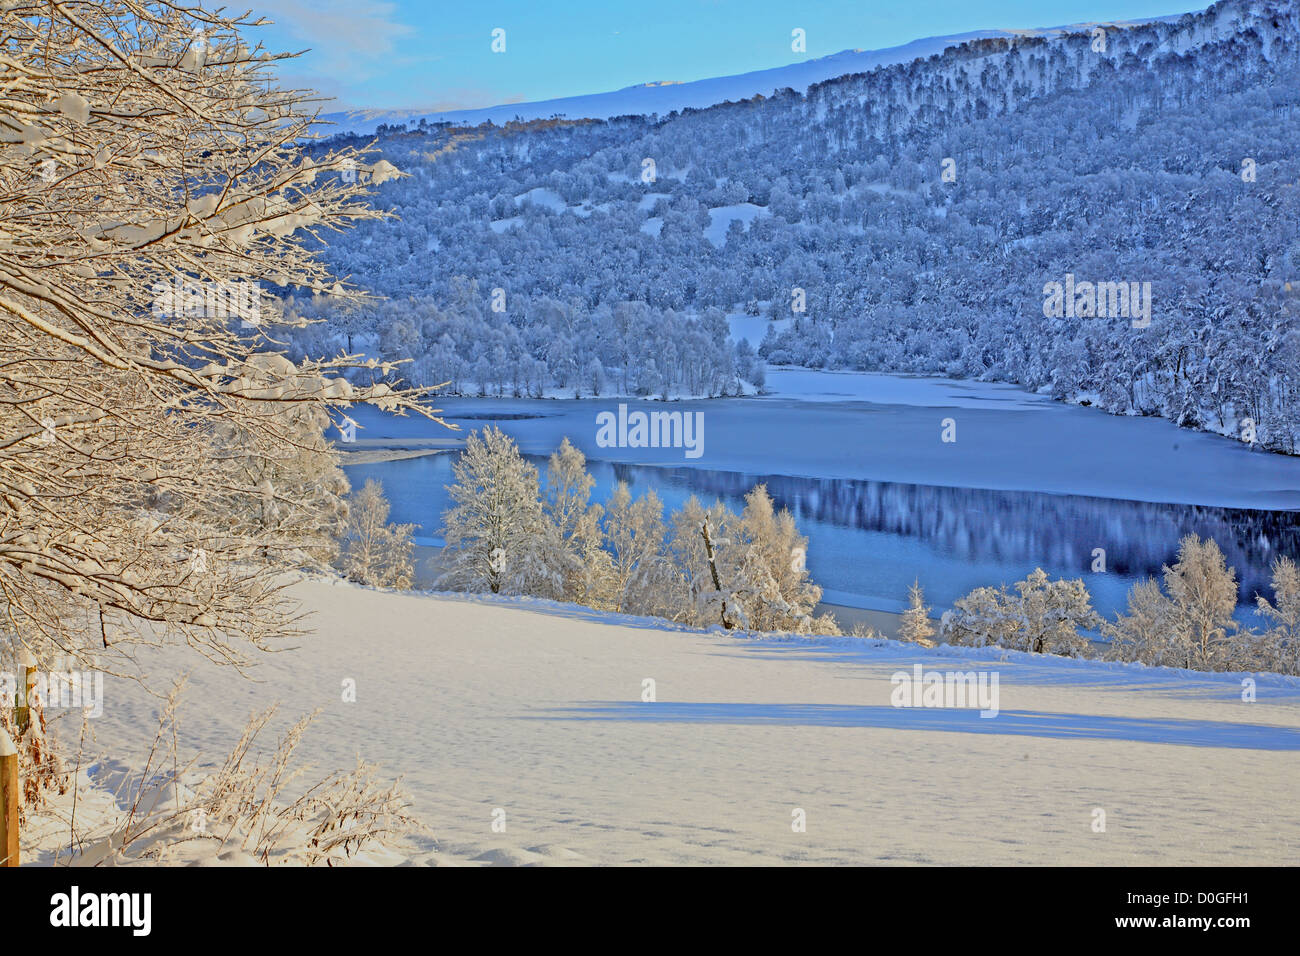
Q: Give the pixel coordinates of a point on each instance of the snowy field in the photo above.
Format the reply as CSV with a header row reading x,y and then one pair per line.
x,y
537,710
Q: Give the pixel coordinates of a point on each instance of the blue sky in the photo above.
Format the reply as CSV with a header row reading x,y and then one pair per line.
x,y
436,54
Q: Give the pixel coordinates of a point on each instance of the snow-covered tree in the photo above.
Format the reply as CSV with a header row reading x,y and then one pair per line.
x,y
634,535
505,533
915,626
1043,616
1052,614
153,175
1145,633
595,377
982,618
1203,594
1281,643
585,566
497,537
766,570
301,514
756,570
688,588
375,552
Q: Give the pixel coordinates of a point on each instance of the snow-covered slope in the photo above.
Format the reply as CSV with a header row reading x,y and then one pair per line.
x,y
666,97
533,714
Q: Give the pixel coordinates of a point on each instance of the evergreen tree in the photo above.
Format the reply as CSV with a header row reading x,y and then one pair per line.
x,y
915,627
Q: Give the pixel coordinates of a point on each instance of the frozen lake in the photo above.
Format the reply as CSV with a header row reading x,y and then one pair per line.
x,y
861,462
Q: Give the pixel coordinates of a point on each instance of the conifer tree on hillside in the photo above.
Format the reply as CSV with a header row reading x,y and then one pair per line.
x,y
915,626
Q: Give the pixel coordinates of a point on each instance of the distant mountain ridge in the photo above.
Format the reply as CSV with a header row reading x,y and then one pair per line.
x,y
666,96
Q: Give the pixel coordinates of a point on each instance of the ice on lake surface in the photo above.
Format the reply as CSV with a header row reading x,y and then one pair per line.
x,y
859,459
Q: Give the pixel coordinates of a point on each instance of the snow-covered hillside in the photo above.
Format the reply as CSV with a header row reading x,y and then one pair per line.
x,y
907,219
534,715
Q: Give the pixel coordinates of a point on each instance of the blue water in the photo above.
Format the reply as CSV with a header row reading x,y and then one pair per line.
x,y
868,540
884,501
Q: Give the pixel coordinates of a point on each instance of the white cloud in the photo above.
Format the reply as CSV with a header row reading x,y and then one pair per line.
x,y
343,34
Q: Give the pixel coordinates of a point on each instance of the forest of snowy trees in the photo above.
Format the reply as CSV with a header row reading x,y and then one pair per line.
x,y
1189,622
513,531
915,213
626,349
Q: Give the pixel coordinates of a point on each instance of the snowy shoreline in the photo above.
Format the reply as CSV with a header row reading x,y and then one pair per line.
x,y
875,427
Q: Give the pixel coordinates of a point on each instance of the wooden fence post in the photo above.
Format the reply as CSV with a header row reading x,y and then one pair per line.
x,y
8,801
